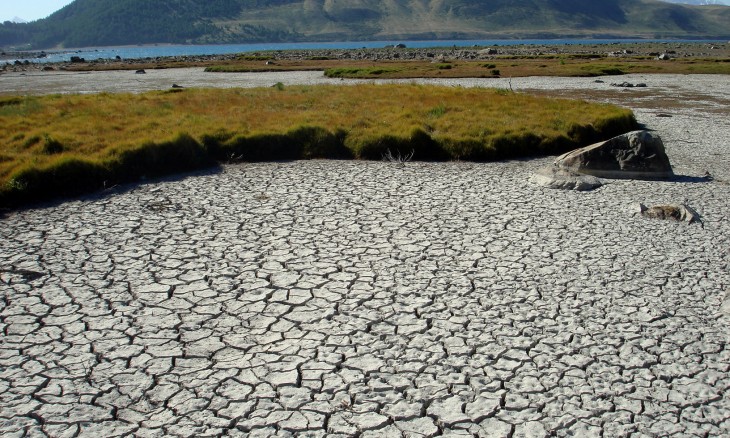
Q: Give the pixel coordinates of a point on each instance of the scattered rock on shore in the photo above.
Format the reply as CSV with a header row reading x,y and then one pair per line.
x,y
629,85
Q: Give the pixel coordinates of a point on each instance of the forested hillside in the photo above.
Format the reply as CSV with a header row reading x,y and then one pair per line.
x,y
120,22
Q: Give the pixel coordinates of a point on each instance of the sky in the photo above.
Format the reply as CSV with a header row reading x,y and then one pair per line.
x,y
29,10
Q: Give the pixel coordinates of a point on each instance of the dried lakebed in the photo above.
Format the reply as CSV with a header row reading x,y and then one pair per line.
x,y
371,299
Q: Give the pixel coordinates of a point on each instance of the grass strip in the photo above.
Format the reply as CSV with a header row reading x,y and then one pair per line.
x,y
62,145
508,66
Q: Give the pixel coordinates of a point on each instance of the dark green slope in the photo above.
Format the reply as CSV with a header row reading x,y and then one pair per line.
x,y
119,22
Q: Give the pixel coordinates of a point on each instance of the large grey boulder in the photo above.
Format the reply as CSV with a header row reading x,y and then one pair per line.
x,y
635,155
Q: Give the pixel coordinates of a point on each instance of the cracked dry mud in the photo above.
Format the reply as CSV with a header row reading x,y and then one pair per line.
x,y
334,298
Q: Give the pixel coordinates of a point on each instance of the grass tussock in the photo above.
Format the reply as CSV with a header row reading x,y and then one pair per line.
x,y
360,72
68,144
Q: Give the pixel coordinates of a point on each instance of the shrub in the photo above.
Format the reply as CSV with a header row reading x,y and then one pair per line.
x,y
65,176
150,159
263,147
316,142
51,146
214,144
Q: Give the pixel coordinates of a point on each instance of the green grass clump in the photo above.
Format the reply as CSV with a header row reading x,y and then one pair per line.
x,y
64,145
602,70
358,72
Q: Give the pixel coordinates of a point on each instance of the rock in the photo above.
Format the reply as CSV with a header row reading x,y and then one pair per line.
x,y
177,86
680,213
140,72
554,177
489,51
629,85
635,155
400,46
77,59
664,57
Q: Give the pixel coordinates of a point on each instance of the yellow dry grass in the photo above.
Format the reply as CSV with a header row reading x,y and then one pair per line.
x,y
37,133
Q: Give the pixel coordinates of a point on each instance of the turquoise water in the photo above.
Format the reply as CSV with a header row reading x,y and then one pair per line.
x,y
141,52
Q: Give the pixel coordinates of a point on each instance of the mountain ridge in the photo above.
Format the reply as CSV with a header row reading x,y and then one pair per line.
x,y
85,23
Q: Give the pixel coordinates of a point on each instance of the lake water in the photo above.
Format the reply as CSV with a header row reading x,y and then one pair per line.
x,y
141,52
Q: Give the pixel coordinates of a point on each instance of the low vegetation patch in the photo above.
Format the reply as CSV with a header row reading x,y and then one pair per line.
x,y
64,145
359,72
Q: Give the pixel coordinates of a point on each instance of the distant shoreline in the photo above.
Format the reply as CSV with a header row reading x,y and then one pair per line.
x,y
310,59
136,52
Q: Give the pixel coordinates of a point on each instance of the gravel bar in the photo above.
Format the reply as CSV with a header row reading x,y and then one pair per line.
x,y
375,299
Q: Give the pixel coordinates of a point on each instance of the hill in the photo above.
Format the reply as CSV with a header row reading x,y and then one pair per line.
x,y
699,2
86,23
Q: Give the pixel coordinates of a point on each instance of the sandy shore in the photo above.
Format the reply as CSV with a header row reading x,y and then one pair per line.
x,y
330,298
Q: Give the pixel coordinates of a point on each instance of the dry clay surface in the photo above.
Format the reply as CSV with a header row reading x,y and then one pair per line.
x,y
335,298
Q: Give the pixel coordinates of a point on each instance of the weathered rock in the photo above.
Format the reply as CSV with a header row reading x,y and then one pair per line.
x,y
629,85
554,177
681,212
635,155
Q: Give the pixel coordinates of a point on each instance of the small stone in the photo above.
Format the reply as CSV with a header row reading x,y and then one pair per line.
x,y
680,212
